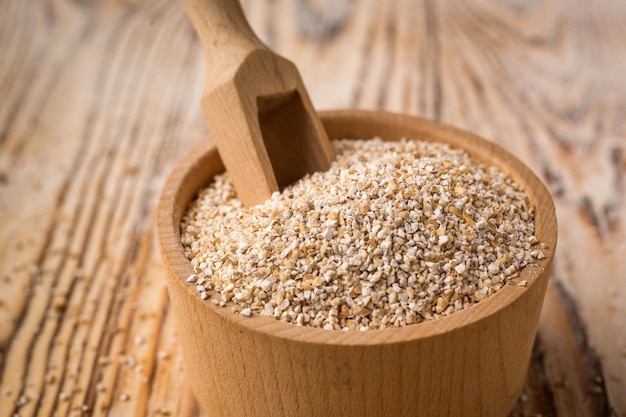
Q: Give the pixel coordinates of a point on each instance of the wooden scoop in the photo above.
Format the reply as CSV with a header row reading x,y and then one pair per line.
x,y
266,130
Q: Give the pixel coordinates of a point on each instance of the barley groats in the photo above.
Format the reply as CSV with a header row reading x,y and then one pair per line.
x,y
392,234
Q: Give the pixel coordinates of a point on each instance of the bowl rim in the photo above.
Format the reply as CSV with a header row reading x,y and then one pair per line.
x,y
168,236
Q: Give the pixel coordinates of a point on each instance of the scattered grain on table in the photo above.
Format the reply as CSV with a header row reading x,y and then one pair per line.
x,y
392,234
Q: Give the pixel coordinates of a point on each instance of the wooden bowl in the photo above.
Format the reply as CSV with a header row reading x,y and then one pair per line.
x,y
471,363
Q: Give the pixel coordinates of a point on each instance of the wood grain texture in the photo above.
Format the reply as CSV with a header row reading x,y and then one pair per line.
x,y
100,99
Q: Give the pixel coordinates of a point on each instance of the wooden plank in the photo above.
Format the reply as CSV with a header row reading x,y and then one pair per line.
x,y
102,98
98,228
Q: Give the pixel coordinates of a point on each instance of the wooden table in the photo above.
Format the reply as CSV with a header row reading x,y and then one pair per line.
x,y
100,99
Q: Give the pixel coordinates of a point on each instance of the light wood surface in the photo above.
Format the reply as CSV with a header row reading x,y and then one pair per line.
x,y
265,127
100,99
471,363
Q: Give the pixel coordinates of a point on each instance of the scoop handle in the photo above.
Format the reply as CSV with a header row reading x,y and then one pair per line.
x,y
224,32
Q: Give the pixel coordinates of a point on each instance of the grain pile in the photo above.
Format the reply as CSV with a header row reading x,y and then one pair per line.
x,y
394,233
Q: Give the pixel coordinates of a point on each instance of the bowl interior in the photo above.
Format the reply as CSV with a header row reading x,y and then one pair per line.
x,y
196,170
